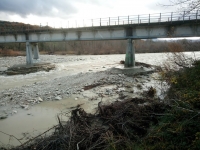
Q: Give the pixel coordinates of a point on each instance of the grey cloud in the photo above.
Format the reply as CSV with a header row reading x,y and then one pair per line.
x,y
37,7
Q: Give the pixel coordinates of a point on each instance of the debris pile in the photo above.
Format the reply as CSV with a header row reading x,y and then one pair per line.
x,y
117,123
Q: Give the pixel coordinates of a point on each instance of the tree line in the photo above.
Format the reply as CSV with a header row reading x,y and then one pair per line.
x,y
107,47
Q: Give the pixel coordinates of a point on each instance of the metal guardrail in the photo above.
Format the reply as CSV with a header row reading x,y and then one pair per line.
x,y
142,19
120,20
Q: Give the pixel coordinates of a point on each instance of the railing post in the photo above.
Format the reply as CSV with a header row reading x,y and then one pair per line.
x,y
183,16
196,15
118,20
160,17
109,21
128,19
138,19
92,22
171,16
100,22
149,18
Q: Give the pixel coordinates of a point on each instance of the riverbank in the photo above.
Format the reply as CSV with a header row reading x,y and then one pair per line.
x,y
76,80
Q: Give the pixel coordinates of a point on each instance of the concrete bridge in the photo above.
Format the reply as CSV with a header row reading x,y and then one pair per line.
x,y
130,28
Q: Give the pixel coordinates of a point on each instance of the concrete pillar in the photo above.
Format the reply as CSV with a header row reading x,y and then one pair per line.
x,y
35,51
29,59
130,54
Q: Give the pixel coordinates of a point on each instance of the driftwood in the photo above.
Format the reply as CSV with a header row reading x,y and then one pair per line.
x,y
117,123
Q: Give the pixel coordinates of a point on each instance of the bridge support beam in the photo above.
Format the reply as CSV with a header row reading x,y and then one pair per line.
x,y
29,58
130,54
35,51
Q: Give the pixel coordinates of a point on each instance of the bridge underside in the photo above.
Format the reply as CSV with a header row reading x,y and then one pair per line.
x,y
121,32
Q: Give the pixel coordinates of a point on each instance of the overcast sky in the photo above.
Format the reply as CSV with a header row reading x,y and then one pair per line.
x,y
59,12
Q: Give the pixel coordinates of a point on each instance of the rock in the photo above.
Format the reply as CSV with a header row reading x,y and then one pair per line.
x,y
2,104
136,80
82,90
139,86
39,99
7,94
14,111
144,104
30,101
58,98
24,106
76,98
58,93
3,116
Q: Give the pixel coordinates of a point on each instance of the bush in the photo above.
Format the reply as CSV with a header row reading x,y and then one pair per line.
x,y
185,85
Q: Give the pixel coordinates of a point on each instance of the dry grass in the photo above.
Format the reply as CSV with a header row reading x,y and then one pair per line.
x,y
9,52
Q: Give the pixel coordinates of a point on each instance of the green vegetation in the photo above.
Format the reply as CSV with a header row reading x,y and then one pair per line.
x,y
180,127
185,85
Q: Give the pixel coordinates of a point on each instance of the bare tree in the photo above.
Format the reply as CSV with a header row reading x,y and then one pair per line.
x,y
184,5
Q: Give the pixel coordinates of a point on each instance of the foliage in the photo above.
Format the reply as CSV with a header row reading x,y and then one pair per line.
x,y
185,85
177,130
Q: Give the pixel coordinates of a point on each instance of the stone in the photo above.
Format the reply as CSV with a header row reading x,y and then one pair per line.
x,y
14,111
24,106
3,116
30,101
136,80
39,99
119,75
82,90
76,98
58,98
2,104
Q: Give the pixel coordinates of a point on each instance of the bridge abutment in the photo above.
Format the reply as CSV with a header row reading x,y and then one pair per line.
x,y
130,54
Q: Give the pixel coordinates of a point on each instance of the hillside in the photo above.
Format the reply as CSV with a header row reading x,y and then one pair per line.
x,y
6,26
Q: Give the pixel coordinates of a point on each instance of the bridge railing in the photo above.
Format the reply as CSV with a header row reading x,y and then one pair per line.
x,y
135,19
149,18
140,19
112,21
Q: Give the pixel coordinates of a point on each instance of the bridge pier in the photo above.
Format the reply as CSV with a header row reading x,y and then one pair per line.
x,y
130,54
29,58
36,51
32,52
